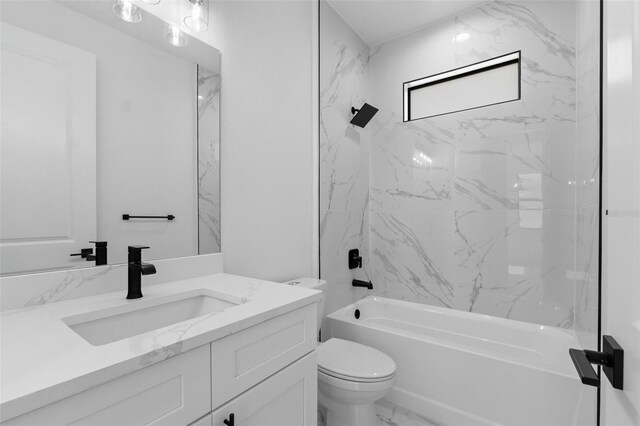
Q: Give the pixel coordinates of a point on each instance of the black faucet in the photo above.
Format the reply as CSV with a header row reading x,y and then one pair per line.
x,y
136,270
365,284
101,253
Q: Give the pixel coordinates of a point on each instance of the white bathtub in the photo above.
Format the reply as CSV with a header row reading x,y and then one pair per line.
x,y
461,368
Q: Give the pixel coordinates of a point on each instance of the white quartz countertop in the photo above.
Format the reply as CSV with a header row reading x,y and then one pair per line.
x,y
43,360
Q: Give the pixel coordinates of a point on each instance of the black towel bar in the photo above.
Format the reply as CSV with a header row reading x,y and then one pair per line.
x,y
129,216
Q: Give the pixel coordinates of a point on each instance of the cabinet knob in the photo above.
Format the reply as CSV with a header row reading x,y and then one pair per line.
x,y
230,421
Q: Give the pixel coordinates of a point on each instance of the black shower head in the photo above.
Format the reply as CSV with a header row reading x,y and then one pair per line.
x,y
363,115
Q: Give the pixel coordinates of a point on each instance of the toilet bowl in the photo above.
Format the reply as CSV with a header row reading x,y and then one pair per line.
x,y
351,376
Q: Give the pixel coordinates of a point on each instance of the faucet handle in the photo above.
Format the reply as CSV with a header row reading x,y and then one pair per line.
x,y
135,253
83,253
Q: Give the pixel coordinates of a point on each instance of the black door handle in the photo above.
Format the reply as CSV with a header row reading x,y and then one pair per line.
x,y
611,359
586,372
230,421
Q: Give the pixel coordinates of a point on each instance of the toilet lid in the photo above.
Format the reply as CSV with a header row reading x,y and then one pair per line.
x,y
353,361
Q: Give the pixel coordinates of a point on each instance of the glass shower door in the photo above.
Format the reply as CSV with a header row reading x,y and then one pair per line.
x,y
491,209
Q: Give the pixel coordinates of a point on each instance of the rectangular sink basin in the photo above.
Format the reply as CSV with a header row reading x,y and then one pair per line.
x,y
139,317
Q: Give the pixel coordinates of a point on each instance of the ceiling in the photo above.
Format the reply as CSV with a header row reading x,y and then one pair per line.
x,y
378,21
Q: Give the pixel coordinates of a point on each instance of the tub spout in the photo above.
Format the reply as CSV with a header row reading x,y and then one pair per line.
x,y
365,284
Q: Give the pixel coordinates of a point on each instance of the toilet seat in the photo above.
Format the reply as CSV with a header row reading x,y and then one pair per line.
x,y
353,386
355,379
353,362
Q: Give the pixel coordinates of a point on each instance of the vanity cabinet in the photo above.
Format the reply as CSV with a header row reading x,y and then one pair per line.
x,y
287,398
172,392
244,359
264,375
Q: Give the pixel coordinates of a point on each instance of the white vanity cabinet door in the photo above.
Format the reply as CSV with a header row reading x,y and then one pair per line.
x,y
172,392
288,398
244,359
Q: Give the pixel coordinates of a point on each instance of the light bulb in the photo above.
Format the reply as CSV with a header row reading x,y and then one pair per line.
x,y
462,37
175,36
127,11
196,15
198,18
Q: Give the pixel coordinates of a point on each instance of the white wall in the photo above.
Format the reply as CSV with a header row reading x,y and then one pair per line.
x,y
621,191
267,144
268,167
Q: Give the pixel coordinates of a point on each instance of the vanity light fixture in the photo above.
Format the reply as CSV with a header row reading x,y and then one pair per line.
x,y
127,11
197,18
175,36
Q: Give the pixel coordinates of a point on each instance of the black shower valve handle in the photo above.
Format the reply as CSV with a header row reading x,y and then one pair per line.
x,y
355,260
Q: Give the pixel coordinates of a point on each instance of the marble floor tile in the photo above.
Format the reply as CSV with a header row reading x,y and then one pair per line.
x,y
390,415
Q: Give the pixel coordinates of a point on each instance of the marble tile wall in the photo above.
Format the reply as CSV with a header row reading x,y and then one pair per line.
x,y
208,161
344,158
478,210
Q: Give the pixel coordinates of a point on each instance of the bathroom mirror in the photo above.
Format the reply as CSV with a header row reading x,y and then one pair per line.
x,y
101,119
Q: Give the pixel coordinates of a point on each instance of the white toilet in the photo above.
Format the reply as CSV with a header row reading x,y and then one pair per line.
x,y
351,376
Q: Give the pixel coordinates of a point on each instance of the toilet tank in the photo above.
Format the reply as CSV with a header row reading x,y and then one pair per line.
x,y
315,284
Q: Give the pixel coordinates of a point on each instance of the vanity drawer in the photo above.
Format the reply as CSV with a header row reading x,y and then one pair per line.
x,y
175,391
244,359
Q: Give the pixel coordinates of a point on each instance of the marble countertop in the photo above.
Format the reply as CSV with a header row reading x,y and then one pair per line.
x,y
43,360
